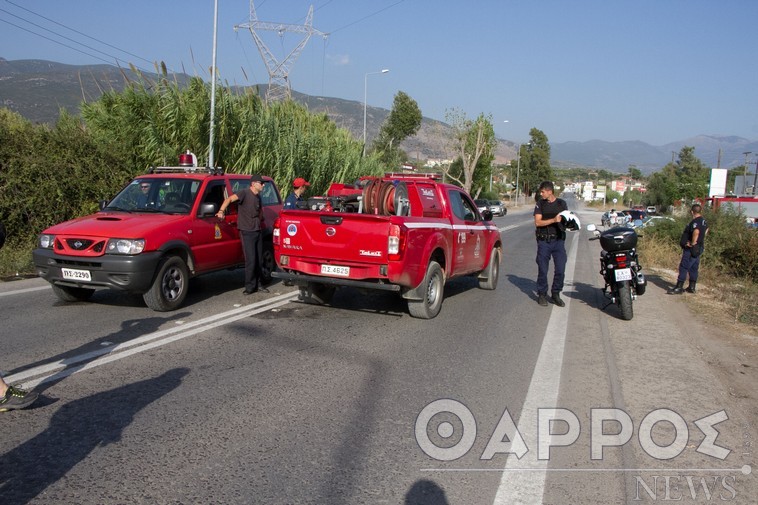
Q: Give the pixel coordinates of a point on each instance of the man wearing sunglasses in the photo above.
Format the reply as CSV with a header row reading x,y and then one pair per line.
x,y
250,225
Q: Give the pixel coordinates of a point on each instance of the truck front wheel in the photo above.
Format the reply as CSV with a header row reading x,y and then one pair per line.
x,y
169,287
268,263
433,290
489,276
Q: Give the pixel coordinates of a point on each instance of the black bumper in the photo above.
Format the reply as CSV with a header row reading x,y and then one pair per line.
x,y
302,280
125,273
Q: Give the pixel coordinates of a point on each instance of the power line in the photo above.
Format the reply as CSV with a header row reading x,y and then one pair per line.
x,y
56,41
78,32
366,17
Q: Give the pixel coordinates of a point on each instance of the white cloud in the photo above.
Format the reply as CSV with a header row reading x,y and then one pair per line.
x,y
338,59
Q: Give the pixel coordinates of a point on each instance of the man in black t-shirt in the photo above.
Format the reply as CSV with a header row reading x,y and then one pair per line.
x,y
551,237
693,238
250,225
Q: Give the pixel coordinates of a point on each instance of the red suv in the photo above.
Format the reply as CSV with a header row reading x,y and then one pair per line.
x,y
156,234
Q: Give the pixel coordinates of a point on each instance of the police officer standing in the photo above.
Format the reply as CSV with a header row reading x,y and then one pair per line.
x,y
691,242
551,242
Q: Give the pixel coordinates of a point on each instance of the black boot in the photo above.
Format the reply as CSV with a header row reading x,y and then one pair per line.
x,y
691,287
678,289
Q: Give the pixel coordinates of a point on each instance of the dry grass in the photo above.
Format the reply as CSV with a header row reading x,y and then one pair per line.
x,y
721,299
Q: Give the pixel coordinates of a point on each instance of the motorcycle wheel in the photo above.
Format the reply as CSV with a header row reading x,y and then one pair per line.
x,y
625,301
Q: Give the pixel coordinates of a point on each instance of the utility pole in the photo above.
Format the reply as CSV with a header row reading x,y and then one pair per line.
x,y
744,182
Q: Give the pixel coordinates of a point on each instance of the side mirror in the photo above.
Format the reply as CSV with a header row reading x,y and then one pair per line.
x,y
208,209
487,215
102,204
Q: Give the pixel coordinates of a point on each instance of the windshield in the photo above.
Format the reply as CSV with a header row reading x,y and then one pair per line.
x,y
168,195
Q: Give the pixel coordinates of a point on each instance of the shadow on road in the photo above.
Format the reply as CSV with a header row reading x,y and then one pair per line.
x,y
75,430
425,492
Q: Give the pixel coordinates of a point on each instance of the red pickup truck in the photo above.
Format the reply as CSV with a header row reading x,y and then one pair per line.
x,y
403,233
156,234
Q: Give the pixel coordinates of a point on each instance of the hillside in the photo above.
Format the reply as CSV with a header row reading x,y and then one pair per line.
x,y
38,89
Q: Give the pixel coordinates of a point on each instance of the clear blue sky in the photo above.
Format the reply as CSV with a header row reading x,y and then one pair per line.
x,y
651,70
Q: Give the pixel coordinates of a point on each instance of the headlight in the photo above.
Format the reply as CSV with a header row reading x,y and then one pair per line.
x,y
46,241
125,246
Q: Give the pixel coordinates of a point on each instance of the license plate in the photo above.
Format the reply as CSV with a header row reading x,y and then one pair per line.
x,y
335,270
624,274
71,274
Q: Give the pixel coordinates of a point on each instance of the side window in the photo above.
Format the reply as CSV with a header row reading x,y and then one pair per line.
x,y
269,196
469,209
456,204
214,193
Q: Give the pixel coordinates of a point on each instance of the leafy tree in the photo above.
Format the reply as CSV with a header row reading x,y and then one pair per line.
x,y
605,175
403,121
535,162
635,173
692,175
662,187
474,141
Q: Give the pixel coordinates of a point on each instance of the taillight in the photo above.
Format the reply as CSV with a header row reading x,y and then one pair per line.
x,y
395,242
621,260
275,236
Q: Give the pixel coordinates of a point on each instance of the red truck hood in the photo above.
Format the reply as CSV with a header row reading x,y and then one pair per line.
x,y
115,224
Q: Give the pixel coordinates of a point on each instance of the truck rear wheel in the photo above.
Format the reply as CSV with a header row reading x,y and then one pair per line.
x,y
489,276
433,291
169,287
317,294
71,294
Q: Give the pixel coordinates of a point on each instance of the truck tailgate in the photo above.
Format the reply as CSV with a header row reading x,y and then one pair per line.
x,y
338,238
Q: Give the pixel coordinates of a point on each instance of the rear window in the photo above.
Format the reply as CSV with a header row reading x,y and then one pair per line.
x,y
430,203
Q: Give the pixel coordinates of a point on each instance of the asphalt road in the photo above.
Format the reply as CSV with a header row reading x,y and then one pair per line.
x,y
263,399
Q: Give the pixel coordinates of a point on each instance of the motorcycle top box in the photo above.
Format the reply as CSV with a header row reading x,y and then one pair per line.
x,y
618,239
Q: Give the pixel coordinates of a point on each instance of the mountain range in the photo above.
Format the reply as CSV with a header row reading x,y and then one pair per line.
x,y
38,89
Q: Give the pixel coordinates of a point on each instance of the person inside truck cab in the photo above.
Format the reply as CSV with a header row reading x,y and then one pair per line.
x,y
299,185
143,197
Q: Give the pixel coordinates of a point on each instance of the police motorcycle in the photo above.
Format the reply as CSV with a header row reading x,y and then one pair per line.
x,y
620,267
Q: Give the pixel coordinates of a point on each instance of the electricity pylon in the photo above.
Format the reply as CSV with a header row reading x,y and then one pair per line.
x,y
278,72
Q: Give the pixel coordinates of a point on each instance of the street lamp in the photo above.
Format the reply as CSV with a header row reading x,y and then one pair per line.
x,y
365,93
518,172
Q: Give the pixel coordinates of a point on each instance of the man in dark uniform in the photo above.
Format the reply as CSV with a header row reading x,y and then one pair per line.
x,y
551,242
299,186
250,225
693,238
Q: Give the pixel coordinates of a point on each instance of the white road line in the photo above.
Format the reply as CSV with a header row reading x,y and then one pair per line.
x,y
509,227
25,290
527,487
63,368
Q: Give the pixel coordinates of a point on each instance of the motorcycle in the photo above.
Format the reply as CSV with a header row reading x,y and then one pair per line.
x,y
620,267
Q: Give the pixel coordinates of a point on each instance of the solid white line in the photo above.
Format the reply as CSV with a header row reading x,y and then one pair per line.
x,y
746,470
25,290
143,343
528,488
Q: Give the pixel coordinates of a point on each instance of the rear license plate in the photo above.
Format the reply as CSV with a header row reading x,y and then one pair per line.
x,y
624,274
335,270
71,274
